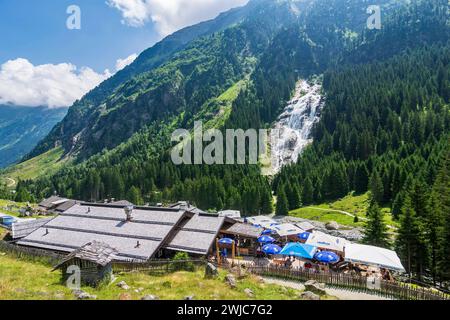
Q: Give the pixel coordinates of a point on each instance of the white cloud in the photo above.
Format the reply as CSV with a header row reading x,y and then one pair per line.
x,y
50,85
122,63
171,15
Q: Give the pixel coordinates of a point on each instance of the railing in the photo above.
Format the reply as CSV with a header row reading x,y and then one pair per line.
x,y
359,283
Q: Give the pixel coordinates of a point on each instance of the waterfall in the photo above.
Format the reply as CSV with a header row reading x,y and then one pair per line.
x,y
292,131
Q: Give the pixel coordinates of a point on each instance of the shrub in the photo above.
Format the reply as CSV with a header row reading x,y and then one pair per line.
x,y
181,262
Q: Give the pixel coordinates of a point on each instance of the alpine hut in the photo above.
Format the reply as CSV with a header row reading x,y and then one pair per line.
x,y
94,261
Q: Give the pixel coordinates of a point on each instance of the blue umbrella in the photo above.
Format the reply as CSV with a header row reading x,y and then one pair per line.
x,y
327,257
267,232
266,239
226,241
271,249
299,250
304,236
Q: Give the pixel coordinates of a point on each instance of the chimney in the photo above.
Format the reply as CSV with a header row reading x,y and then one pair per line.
x,y
129,212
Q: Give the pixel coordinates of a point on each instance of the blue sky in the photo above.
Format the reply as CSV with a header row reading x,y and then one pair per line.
x,y
43,63
36,30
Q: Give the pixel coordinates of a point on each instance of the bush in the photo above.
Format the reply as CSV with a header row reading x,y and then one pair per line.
x,y
181,262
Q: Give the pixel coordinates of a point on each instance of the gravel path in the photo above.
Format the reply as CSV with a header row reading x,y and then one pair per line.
x,y
341,294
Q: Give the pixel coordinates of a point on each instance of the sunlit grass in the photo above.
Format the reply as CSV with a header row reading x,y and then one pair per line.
x,y
25,280
353,204
45,163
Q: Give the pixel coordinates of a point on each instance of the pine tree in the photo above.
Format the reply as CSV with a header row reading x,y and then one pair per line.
x,y
408,239
441,211
361,178
376,230
267,202
435,228
293,195
282,202
134,196
308,192
376,187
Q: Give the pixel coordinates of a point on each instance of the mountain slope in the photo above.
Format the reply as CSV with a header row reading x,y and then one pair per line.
x,y
184,70
21,128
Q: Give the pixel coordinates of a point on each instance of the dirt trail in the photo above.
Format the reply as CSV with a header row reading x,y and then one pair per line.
x,y
11,182
346,213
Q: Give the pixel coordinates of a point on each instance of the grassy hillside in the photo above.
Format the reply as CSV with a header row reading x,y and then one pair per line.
x,y
45,163
342,211
5,203
21,128
26,280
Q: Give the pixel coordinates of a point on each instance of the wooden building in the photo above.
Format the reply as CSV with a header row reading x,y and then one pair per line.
x,y
246,237
94,260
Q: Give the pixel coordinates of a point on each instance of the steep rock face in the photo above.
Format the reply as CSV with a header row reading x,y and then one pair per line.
x,y
292,132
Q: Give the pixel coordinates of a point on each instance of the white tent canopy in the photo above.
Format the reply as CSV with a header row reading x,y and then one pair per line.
x,y
262,221
286,229
325,241
370,255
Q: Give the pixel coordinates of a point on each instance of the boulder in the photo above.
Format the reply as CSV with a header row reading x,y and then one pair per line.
x,y
82,295
332,225
315,287
249,293
260,280
308,295
149,298
211,271
239,271
301,287
123,285
231,280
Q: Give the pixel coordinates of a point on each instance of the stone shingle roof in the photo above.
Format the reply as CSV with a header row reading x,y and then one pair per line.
x,y
138,239
97,252
197,235
244,230
51,202
24,228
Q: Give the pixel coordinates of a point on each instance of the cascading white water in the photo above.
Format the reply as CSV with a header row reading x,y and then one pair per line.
x,y
292,132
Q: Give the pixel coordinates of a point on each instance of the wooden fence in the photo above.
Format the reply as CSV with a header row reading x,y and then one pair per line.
x,y
19,252
358,283
158,266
